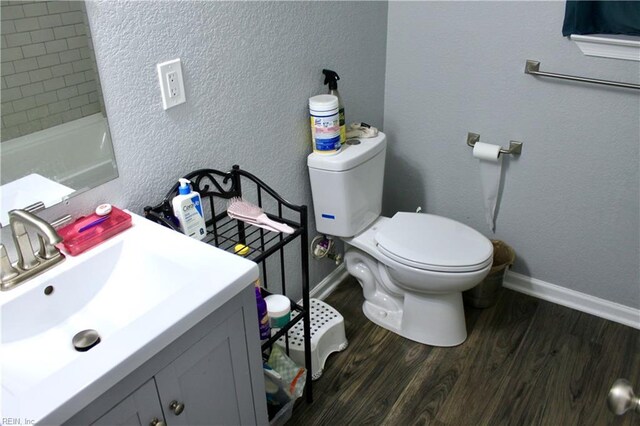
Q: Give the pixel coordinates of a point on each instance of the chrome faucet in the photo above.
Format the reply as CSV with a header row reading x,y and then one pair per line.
x,y
29,263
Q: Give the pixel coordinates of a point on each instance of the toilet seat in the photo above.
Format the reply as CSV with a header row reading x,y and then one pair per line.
x,y
433,243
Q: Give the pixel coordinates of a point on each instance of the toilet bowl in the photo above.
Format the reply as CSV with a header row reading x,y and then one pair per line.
x,y
421,304
412,267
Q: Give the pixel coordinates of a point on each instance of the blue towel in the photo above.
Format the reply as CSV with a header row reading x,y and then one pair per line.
x,y
601,17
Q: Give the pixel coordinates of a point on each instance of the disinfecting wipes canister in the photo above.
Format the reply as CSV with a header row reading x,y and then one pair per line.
x,y
325,124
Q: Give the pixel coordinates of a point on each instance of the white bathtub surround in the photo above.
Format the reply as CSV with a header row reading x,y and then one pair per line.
x,y
47,153
29,190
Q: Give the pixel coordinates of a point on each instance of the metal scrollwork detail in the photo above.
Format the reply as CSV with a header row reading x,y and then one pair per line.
x,y
203,182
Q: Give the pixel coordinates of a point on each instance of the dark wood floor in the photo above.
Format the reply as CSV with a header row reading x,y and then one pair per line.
x,y
526,361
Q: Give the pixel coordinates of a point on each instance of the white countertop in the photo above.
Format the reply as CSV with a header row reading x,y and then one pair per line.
x,y
50,386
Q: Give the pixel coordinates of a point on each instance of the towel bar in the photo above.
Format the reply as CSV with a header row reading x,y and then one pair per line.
x,y
533,68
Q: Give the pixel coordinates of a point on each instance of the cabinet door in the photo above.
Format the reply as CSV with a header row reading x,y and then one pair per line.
x,y
140,408
210,383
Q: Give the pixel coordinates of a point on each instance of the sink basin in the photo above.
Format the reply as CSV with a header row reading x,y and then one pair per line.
x,y
139,290
98,293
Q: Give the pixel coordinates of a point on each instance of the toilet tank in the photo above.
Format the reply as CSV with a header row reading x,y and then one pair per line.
x,y
347,186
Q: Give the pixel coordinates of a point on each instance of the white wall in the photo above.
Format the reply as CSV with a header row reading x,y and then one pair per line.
x,y
570,203
249,69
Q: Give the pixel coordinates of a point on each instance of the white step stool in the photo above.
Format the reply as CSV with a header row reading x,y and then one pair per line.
x,y
327,336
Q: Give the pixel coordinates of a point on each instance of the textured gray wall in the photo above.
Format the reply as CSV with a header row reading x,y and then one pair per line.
x,y
249,69
570,204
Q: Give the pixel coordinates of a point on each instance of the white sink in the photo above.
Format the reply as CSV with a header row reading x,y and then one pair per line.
x,y
104,292
139,290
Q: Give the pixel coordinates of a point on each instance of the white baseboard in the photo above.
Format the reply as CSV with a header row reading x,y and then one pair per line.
x,y
533,287
329,283
573,299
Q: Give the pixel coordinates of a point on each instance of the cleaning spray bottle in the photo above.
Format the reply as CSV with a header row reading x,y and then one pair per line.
x,y
187,207
331,78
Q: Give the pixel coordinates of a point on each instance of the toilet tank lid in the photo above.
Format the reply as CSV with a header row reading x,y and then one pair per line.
x,y
349,156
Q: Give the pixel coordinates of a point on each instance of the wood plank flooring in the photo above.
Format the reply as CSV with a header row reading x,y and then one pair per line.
x,y
525,362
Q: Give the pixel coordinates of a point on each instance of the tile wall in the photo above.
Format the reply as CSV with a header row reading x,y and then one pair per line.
x,y
48,74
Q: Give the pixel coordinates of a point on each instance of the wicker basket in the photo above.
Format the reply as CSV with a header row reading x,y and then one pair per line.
x,y
486,293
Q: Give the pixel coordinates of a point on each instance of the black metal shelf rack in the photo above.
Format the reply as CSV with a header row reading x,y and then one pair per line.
x,y
216,188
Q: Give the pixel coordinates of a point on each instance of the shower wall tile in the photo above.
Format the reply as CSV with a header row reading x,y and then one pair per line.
x,y
47,74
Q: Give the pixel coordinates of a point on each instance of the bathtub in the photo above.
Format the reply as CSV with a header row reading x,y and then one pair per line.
x,y
78,154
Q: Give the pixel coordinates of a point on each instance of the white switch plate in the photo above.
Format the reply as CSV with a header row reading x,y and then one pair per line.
x,y
171,83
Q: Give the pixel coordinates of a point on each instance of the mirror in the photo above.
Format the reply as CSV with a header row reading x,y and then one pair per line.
x,y
54,141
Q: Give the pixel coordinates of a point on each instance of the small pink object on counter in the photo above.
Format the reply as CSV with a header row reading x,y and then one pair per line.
x,y
89,231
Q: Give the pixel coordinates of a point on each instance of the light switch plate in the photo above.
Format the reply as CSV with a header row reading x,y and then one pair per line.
x,y
171,83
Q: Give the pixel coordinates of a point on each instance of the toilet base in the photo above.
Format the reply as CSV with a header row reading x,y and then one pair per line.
x,y
385,318
430,319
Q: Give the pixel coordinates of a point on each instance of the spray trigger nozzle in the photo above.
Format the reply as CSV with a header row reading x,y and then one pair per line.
x,y
331,78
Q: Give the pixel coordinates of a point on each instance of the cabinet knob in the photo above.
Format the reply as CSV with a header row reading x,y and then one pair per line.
x,y
176,407
156,422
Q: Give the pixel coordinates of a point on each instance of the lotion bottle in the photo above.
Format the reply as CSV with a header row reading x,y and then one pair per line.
x,y
187,208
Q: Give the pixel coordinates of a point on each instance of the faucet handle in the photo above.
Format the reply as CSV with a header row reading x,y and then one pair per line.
x,y
26,257
7,271
35,207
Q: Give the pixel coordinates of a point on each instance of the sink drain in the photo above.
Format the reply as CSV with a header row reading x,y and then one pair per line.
x,y
85,340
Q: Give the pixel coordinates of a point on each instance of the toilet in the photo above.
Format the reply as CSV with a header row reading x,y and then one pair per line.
x,y
413,267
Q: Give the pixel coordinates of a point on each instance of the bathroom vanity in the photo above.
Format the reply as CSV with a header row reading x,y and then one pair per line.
x,y
206,376
178,334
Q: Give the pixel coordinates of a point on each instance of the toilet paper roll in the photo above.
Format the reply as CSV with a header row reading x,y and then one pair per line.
x,y
486,151
490,171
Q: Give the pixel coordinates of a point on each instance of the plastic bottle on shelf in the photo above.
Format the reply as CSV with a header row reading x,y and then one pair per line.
x,y
263,316
278,309
187,208
325,124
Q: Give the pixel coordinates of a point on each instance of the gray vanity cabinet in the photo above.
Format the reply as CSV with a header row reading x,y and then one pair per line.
x,y
211,375
140,408
210,383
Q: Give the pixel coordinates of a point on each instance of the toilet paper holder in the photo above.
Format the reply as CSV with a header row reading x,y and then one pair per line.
x,y
515,147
